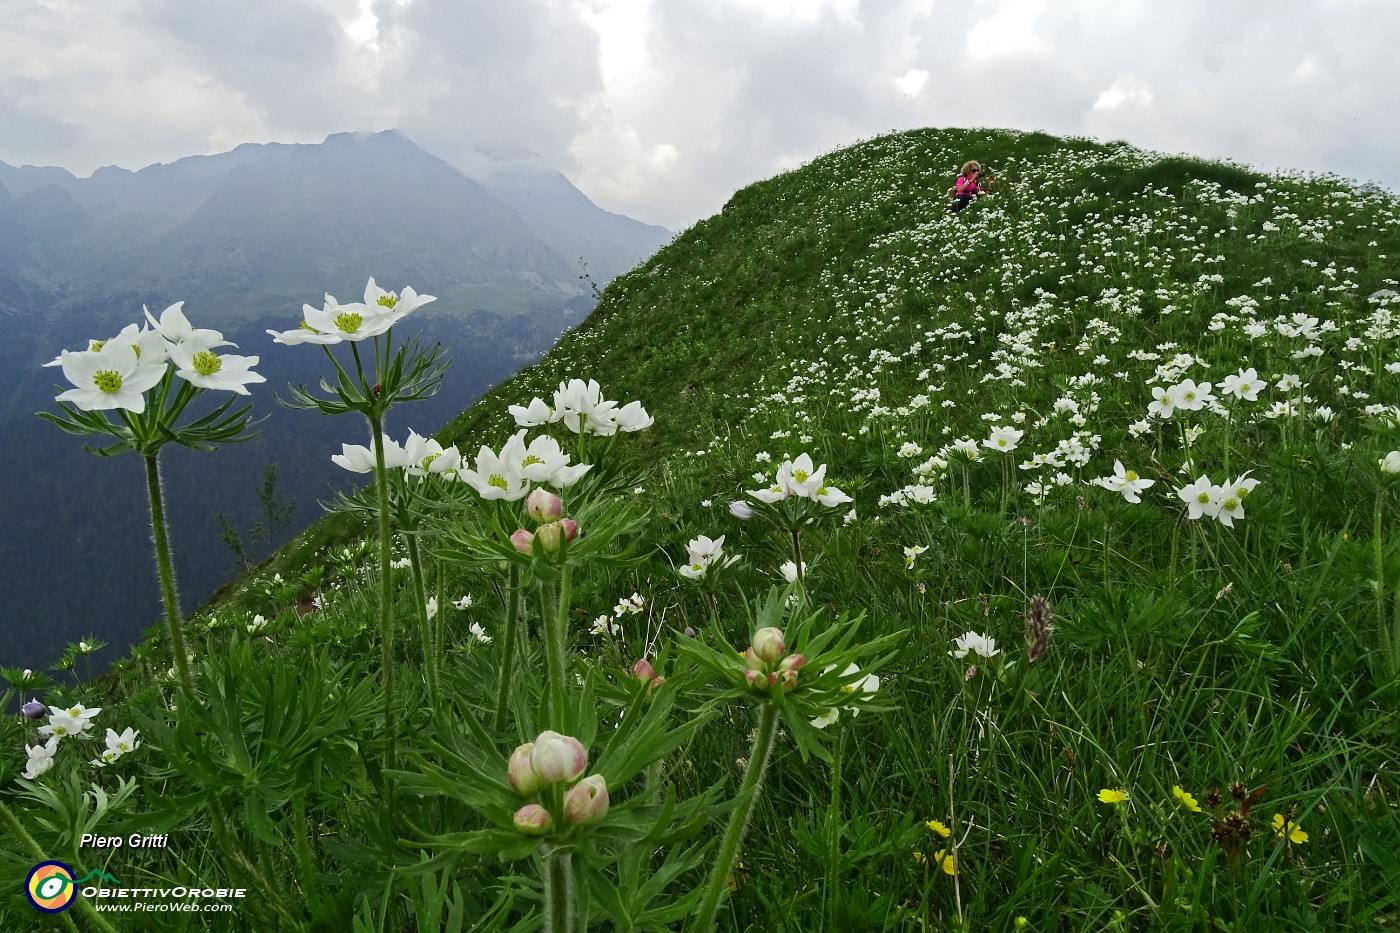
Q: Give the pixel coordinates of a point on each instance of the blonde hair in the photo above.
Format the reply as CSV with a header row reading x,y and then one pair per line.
x,y
969,167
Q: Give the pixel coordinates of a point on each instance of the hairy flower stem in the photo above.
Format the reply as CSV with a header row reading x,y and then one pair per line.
x,y
386,592
17,831
801,571
430,655
833,859
738,820
556,635
167,575
512,631
558,893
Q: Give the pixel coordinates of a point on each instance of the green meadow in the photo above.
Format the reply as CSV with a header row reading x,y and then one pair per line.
x,y
1107,636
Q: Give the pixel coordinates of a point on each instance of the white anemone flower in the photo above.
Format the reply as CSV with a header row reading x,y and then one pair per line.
x,y
1163,404
479,633
496,477
425,455
1390,463
1188,395
359,459
306,333
1123,481
112,376
1243,385
176,330
543,461
1202,498
396,304
831,497
533,415
40,758
800,478
867,685
1003,439
974,643
209,370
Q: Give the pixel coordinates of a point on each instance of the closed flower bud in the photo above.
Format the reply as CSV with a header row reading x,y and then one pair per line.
x,y
558,757
741,510
755,678
34,709
523,540
533,820
550,535
644,672
570,528
522,776
544,506
788,678
792,662
1391,462
769,645
586,803
751,660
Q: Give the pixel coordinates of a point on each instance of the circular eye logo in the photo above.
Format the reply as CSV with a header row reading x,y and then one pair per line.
x,y
50,887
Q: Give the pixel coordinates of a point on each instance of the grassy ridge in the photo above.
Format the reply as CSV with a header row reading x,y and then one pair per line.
x,y
838,309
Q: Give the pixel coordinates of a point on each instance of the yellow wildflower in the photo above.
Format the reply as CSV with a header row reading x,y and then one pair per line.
x,y
1113,795
1289,829
939,828
945,861
1185,799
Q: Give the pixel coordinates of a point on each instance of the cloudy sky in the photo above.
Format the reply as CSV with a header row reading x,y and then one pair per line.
x,y
659,109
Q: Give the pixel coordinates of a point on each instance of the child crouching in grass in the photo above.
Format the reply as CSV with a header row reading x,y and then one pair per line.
x,y
968,186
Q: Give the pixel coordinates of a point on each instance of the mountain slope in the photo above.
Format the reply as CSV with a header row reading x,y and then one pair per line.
x,y
1154,391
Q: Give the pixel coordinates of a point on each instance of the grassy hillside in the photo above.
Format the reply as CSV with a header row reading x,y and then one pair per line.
x,y
1208,739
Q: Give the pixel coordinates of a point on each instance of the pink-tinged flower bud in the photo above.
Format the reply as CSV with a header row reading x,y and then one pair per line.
x,y
523,540
689,632
751,660
544,506
741,510
34,709
787,678
550,535
570,528
533,820
522,776
755,678
644,672
792,662
586,803
769,645
558,757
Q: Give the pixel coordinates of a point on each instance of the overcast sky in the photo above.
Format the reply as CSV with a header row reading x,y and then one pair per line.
x,y
659,109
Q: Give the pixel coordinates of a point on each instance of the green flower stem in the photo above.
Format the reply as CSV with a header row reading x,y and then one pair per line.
x,y
386,609
833,860
429,643
512,628
167,575
556,636
739,819
801,571
558,893
17,830
1390,641
438,639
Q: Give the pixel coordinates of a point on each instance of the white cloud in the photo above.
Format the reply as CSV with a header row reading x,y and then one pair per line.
x,y
911,83
1008,32
1126,90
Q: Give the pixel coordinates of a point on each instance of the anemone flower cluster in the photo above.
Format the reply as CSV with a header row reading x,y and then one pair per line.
x,y
510,475
73,722
116,373
335,323
1223,502
554,761
800,479
583,410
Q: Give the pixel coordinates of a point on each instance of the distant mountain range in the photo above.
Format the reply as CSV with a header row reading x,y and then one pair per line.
x,y
267,227
245,238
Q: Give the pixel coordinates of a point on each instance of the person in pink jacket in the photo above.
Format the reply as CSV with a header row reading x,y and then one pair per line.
x,y
968,186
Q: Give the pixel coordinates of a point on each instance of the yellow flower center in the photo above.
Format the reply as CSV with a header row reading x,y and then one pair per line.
x,y
429,459
498,481
387,301
206,363
1203,498
107,380
1230,504
800,475
95,345
530,460
348,322
1131,476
